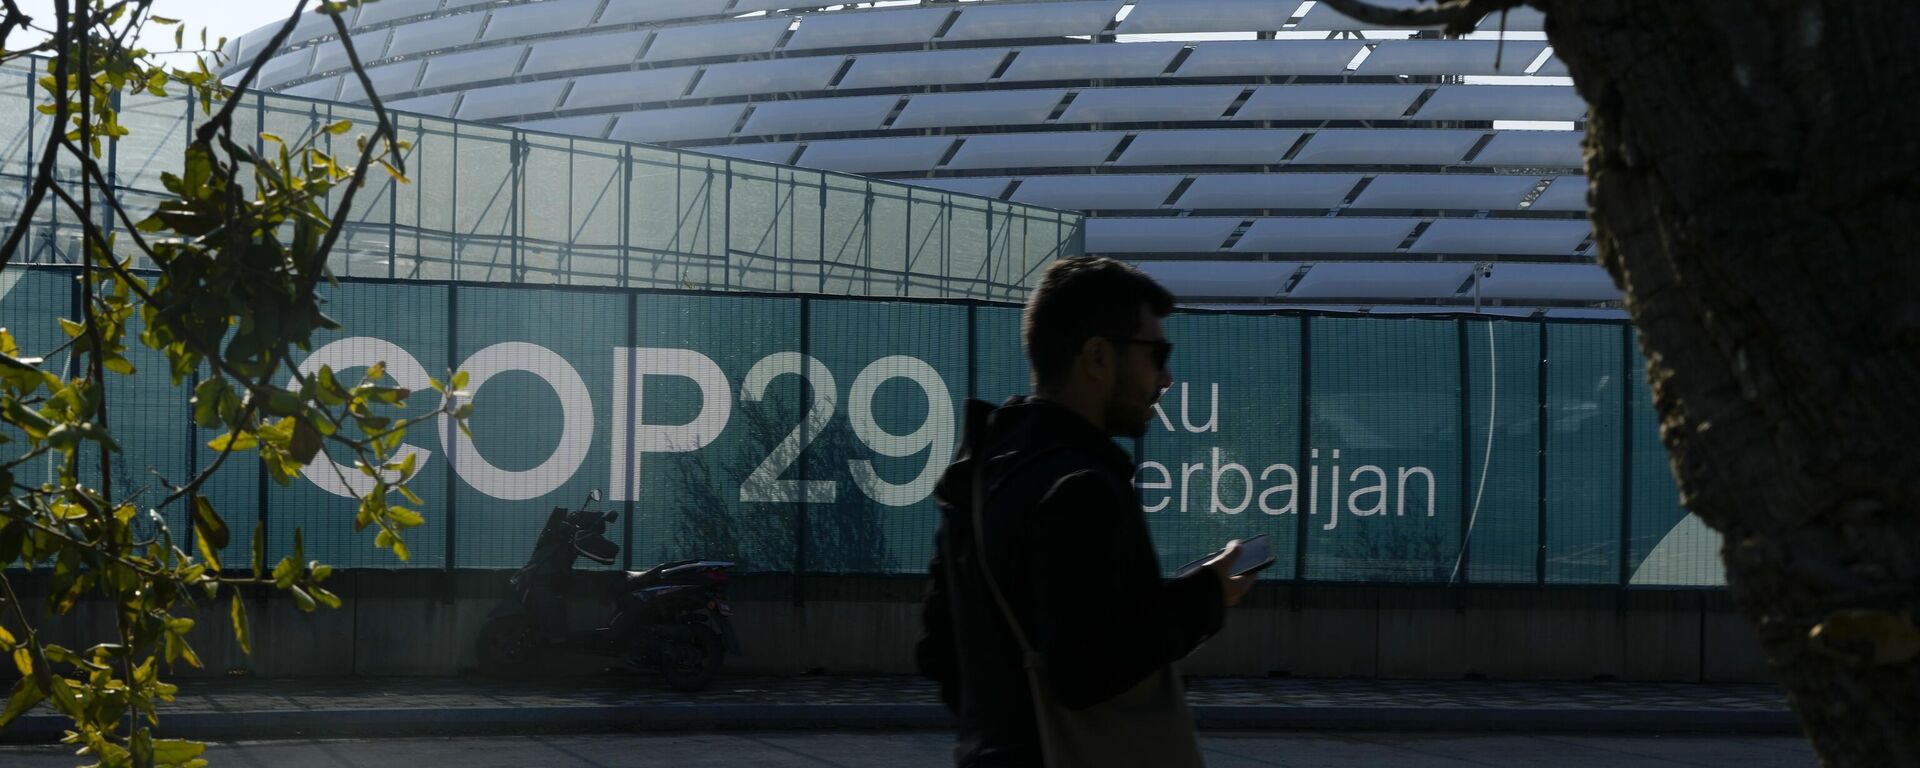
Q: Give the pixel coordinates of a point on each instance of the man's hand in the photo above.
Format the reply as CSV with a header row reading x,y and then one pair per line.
x,y
1231,587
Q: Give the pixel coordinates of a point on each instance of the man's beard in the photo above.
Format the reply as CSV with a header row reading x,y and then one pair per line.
x,y
1127,417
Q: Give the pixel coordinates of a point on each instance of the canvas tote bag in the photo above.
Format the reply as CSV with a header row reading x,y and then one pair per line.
x,y
1148,726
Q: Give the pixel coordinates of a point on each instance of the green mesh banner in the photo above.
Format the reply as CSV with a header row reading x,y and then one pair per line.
x,y
805,434
1220,457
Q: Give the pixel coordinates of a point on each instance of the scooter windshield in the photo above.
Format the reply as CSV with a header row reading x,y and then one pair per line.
x,y
596,547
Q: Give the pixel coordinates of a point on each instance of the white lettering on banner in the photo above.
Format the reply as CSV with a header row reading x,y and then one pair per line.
x,y
764,483
1230,488
936,433
362,352
716,406
576,418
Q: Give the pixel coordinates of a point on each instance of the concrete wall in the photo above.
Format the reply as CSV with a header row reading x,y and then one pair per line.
x,y
424,623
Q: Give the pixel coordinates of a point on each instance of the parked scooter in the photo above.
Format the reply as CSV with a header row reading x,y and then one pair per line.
x,y
672,617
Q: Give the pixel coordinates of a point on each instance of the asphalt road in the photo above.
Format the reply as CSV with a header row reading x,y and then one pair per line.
x,y
874,750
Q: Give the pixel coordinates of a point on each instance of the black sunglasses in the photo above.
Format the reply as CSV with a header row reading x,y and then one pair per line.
x,y
1162,349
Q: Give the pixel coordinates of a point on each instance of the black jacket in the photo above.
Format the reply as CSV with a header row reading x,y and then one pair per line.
x,y
1071,551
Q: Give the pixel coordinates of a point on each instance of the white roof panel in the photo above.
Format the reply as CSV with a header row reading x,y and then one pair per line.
x,y
388,10
1036,150
1549,282
846,29
772,152
700,40
1324,235
585,52
1533,149
1151,104
1161,234
1090,62
656,125
1021,107
622,88
539,18
1362,280
855,113
1269,190
312,24
1228,58
1504,102
472,66
888,70
1221,279
588,126
1451,57
770,76
1237,146
1150,16
1567,193
1000,21
976,186
386,79
331,55
291,65
1385,101
1099,192
324,88
632,11
1435,191
910,153
1405,146
438,105
1503,236
514,99
434,34
750,6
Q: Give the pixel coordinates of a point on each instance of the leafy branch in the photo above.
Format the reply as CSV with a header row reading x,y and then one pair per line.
x,y
239,247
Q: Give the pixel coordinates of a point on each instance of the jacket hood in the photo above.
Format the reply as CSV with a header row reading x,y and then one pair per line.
x,y
1017,432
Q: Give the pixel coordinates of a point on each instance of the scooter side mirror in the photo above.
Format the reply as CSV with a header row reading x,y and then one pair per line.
x,y
593,495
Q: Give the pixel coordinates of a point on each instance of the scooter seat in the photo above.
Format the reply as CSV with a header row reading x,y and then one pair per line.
x,y
639,578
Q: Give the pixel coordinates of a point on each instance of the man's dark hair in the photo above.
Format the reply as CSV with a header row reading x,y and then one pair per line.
x,y
1081,298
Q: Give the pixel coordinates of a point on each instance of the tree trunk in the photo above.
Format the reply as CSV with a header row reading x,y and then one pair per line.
x,y
1752,167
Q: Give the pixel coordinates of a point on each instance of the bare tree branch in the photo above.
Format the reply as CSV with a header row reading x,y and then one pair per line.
x,y
1456,16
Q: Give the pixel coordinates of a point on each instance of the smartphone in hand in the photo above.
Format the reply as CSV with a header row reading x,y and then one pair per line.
x,y
1256,554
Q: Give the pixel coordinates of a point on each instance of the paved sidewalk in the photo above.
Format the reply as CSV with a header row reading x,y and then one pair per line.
x,y
292,708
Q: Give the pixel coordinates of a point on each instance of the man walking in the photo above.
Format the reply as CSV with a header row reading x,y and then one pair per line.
x,y
1062,546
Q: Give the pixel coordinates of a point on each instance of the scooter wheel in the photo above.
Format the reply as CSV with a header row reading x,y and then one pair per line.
x,y
508,646
691,664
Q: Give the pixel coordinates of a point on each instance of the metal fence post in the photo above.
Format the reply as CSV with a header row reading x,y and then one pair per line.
x,y
1540,484
449,444
633,407
1461,572
1305,418
802,532
1626,461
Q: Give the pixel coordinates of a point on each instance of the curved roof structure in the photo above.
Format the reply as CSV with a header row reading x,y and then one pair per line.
x,y
1324,161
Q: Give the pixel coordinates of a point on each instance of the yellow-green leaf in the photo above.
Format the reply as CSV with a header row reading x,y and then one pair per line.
x,y
241,441
239,613
405,518
176,750
25,696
